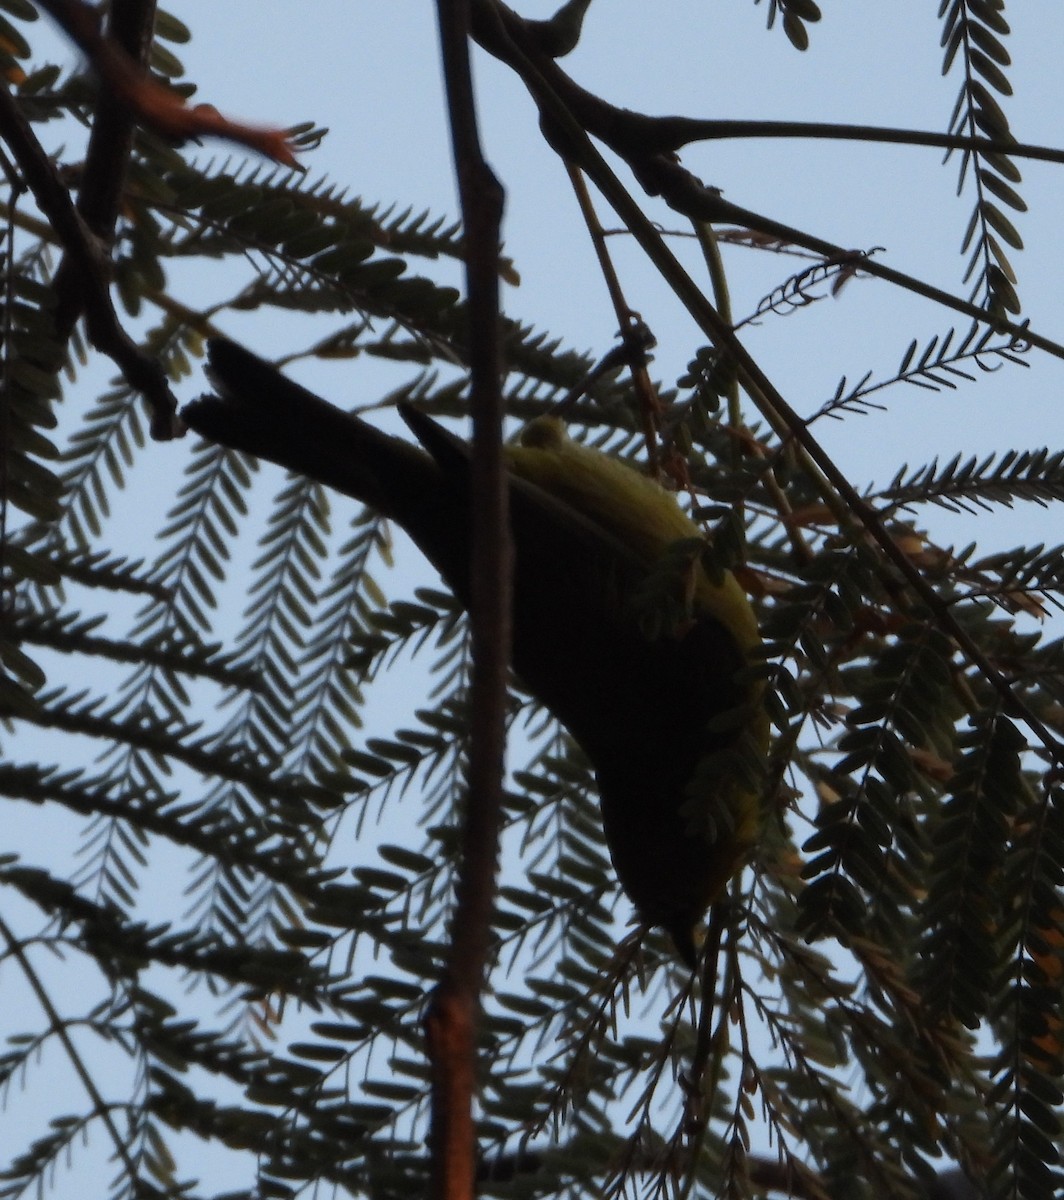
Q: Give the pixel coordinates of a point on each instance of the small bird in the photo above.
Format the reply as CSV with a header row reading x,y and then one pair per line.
x,y
618,629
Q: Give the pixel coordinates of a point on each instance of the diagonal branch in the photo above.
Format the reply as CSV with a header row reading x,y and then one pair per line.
x,y
141,371
517,41
100,1107
572,142
648,145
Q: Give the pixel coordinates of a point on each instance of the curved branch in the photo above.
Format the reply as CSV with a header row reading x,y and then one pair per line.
x,y
140,370
567,136
516,41
648,145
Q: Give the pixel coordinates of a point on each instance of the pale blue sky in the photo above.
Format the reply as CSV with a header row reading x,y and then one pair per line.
x,y
342,64
877,63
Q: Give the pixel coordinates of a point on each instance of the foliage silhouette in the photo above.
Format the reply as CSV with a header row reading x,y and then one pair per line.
x,y
913,942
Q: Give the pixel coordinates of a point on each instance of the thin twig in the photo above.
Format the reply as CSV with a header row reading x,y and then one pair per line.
x,y
58,1026
632,348
716,130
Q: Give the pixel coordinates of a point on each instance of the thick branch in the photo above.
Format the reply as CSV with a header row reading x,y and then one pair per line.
x,y
87,258
107,158
452,1018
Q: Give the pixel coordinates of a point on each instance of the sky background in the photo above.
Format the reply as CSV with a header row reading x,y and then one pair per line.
x,y
369,72
872,63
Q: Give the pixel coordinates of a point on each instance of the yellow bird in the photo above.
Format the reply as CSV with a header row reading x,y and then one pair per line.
x,y
632,646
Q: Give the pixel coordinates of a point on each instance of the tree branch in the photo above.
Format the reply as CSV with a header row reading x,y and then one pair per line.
x,y
453,1014
59,1027
130,25
648,145
88,259
570,139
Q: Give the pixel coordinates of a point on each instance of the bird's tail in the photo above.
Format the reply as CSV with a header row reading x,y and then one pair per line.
x,y
258,410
